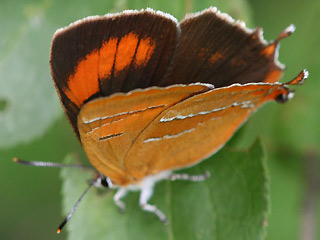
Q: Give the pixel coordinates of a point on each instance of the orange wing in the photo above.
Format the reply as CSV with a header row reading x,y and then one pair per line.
x,y
199,126
109,126
130,136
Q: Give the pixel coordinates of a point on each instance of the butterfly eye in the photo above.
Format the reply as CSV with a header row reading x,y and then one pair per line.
x,y
100,181
106,182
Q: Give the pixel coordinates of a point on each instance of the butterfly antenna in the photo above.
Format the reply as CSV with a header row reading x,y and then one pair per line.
x,y
64,222
50,164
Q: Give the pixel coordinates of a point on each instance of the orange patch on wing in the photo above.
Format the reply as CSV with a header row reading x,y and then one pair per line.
x,y
99,64
273,76
85,81
215,57
269,50
144,51
203,53
236,62
126,50
107,54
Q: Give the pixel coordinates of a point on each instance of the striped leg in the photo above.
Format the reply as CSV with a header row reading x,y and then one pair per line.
x,y
187,177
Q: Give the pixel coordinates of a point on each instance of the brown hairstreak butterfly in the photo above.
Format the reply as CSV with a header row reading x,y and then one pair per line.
x,y
147,95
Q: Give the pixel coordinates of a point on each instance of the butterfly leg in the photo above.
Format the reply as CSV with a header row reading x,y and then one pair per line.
x,y
187,177
117,198
145,195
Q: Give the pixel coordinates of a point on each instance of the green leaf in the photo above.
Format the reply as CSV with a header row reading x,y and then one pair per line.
x,y
286,190
231,204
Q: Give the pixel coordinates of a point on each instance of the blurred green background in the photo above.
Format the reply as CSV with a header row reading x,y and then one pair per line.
x,y
34,127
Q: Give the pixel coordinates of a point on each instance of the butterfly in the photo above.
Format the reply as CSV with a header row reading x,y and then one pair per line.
x,y
147,95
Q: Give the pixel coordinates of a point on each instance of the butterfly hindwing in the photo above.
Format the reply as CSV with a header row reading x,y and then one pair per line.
x,y
197,127
215,49
109,126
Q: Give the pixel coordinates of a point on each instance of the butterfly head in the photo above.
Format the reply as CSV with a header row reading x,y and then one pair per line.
x,y
102,181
